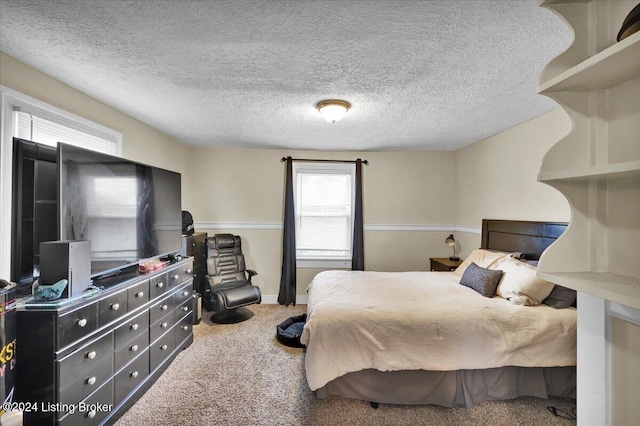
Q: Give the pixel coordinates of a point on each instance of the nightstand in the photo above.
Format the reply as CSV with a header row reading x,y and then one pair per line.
x,y
444,264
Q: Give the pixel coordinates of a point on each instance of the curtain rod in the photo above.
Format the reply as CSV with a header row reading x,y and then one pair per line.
x,y
324,161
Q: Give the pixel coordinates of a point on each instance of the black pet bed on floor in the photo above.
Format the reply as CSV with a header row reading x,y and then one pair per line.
x,y
289,331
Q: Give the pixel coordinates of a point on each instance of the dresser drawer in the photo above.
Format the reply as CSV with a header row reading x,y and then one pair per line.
x,y
180,275
161,326
131,329
138,295
160,350
131,376
183,294
84,359
182,309
183,329
87,382
158,285
74,325
130,350
97,407
161,308
112,308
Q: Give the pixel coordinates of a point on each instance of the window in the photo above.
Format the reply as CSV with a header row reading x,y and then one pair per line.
x,y
324,202
38,129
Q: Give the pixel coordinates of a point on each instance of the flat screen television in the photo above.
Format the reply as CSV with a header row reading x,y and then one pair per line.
x,y
129,211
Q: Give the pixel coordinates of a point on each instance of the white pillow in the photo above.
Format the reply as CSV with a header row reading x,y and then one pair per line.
x,y
483,258
520,285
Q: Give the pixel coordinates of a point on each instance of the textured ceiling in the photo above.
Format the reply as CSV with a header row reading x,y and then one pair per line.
x,y
420,75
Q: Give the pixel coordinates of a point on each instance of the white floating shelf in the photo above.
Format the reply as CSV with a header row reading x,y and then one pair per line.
x,y
608,68
618,288
629,169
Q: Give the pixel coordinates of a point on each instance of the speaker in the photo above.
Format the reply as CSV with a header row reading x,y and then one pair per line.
x,y
70,260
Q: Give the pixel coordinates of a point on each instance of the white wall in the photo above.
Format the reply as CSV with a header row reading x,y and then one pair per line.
x,y
496,178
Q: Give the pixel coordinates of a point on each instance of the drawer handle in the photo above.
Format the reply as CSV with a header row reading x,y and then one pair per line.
x,y
184,308
160,285
134,326
91,414
188,271
91,381
134,374
185,327
115,306
82,322
91,355
164,307
185,293
175,277
140,294
134,348
163,347
164,325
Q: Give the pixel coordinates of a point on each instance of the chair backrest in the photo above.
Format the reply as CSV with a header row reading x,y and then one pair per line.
x,y
225,261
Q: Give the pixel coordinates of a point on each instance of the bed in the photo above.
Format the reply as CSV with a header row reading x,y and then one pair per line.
x,y
423,338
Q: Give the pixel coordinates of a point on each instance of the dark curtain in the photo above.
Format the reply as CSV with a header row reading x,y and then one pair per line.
x,y
287,293
357,263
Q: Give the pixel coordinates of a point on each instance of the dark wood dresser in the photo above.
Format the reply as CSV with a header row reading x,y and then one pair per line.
x,y
196,246
88,362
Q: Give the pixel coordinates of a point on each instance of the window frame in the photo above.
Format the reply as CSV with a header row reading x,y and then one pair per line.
x,y
337,262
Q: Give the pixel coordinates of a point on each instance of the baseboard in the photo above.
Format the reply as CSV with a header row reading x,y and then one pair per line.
x,y
272,299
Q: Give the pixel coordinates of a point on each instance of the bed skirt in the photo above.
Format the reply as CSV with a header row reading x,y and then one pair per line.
x,y
451,388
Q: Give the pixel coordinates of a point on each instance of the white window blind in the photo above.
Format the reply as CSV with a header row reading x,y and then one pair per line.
x,y
38,129
324,210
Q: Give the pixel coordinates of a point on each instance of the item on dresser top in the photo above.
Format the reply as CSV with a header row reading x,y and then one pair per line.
x,y
148,265
48,292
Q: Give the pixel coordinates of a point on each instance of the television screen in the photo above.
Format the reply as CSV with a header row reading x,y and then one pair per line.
x,y
129,211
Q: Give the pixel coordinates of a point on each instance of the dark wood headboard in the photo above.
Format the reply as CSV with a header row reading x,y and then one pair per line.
x,y
523,236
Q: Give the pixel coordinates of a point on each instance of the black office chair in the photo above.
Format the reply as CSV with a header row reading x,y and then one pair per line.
x,y
229,286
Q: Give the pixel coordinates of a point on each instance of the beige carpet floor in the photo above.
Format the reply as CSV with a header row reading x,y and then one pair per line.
x,y
240,375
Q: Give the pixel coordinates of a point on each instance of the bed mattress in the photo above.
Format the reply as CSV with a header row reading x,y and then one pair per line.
x,y
425,321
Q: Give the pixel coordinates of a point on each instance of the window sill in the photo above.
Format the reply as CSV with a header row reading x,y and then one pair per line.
x,y
323,263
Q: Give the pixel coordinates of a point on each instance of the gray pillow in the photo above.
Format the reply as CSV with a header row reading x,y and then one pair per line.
x,y
560,297
483,280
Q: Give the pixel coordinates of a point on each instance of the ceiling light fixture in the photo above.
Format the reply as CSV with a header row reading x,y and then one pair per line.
x,y
333,109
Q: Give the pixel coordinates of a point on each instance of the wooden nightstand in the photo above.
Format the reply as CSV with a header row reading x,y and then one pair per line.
x,y
444,264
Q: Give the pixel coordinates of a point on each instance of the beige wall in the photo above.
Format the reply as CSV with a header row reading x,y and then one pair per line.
x,y
246,186
496,178
140,142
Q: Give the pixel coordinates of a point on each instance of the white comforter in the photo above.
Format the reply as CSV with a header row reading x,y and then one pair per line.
x,y
425,320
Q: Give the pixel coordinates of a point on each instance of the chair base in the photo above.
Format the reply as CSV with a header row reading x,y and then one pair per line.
x,y
232,317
